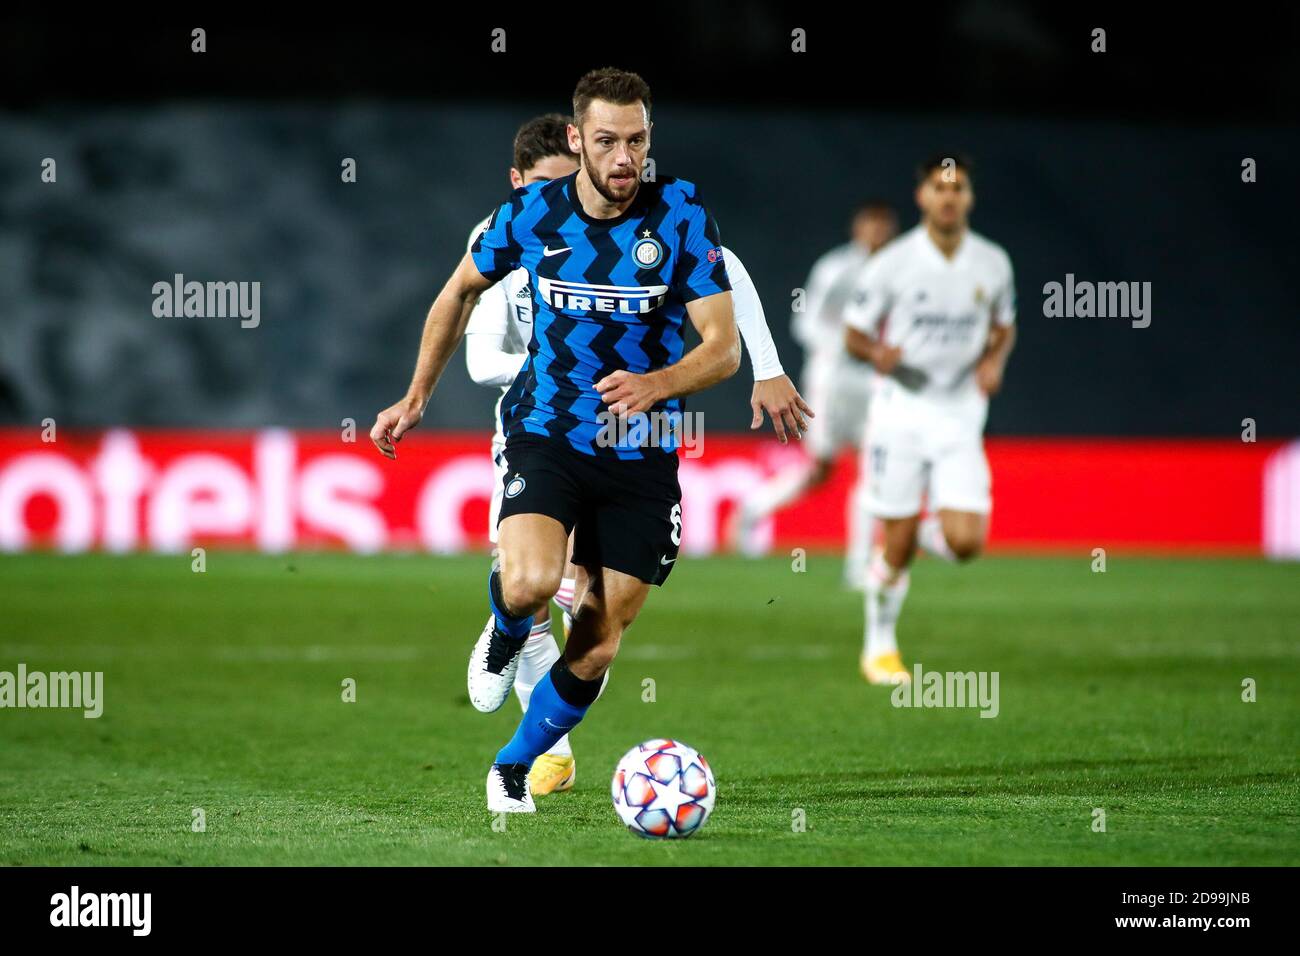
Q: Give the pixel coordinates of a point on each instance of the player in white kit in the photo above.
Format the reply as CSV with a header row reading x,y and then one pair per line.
x,y
496,346
934,314
835,383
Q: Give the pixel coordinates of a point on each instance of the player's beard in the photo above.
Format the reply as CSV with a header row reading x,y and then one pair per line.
x,y
952,228
602,185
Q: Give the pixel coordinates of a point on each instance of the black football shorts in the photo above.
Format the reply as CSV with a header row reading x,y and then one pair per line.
x,y
627,512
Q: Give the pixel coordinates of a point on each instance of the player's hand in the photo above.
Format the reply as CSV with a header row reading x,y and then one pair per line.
x,y
783,404
886,357
627,393
988,375
394,422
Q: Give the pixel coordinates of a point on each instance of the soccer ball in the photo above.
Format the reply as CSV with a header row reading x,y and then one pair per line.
x,y
663,789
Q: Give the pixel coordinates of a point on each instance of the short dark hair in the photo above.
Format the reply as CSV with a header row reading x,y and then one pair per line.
x,y
874,207
940,161
541,136
620,87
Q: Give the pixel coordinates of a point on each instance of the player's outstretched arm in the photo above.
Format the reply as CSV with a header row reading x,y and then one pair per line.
x,y
866,348
443,328
773,392
715,358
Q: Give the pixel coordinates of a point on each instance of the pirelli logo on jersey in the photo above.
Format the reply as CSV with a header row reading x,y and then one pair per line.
x,y
583,297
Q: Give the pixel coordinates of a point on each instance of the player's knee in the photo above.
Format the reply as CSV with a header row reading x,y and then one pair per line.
x,y
965,547
526,588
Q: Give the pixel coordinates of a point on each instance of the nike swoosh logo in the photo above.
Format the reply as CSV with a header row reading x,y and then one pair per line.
x,y
666,561
547,251
547,721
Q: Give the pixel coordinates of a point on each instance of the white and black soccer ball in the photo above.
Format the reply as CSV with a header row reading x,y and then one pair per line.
x,y
663,789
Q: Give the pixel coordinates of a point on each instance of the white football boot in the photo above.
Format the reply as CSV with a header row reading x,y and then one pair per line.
x,y
493,664
508,790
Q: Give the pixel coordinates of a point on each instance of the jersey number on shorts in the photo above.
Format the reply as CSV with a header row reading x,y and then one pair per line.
x,y
676,518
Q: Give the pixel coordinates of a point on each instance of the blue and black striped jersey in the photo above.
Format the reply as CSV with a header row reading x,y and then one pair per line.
x,y
608,294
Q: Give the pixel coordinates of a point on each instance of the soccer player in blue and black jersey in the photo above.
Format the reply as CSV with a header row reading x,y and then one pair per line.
x,y
616,265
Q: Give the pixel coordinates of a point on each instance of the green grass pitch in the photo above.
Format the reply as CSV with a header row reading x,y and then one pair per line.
x,y
1120,691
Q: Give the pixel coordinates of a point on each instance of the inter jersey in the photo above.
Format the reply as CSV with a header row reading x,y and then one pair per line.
x,y
607,294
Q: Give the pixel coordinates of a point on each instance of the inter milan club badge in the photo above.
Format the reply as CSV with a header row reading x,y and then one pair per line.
x,y
647,252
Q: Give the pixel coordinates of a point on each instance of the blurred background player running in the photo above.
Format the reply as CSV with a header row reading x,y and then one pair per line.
x,y
934,314
836,385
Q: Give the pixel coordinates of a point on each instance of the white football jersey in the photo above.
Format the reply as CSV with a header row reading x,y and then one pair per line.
x,y
937,310
505,309
819,327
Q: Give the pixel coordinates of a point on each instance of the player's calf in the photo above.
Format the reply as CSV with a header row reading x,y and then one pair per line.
x,y
899,541
561,698
494,662
887,583
532,559
610,605
592,645
558,703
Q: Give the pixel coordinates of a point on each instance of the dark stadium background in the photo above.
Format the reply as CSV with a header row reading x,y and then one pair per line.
x,y
1116,166
204,533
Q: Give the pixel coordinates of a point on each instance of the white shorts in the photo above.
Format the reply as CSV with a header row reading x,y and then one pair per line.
x,y
914,445
498,484
838,390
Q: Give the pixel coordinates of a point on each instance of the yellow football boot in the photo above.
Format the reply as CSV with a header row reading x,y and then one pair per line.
x,y
885,669
552,773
